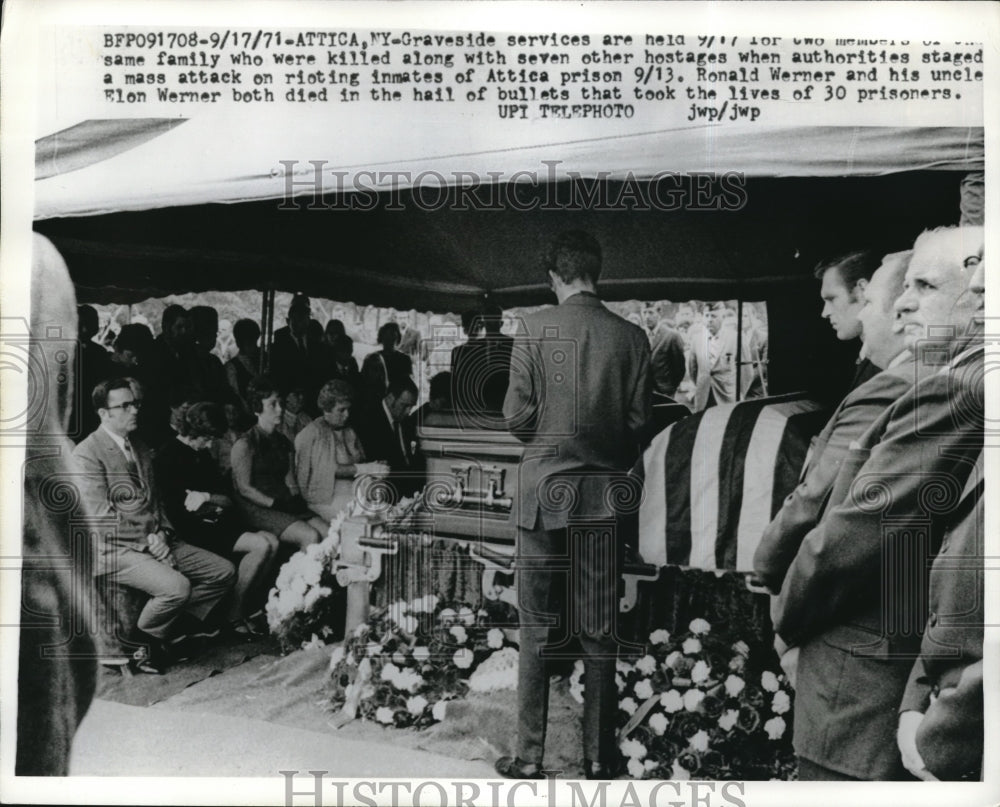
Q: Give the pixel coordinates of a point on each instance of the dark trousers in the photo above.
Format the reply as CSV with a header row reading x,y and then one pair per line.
x,y
567,598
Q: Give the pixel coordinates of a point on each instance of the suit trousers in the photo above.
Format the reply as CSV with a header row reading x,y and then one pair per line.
x,y
567,598
196,586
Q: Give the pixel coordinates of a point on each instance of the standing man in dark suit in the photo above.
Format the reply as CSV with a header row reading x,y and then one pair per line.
x,y
579,399
854,598
141,550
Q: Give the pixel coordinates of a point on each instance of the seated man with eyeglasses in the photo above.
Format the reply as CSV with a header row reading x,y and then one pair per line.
x,y
133,541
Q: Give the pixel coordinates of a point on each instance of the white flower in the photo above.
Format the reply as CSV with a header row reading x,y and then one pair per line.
x,y
383,714
700,672
672,701
298,586
466,616
780,703
409,681
623,666
463,658
699,626
619,682
361,630
742,648
728,719
769,681
699,741
337,656
417,606
650,764
691,646
633,749
643,689
658,723
447,616
659,636
679,773
628,705
389,672
494,639
692,699
375,650
408,624
416,704
430,602
421,653
672,659
775,727
646,665
439,710
734,685
459,633
636,769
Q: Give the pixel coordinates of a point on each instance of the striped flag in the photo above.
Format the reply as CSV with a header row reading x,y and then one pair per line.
x,y
714,480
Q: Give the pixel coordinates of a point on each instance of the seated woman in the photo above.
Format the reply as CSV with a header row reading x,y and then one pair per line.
x,y
266,493
327,453
195,498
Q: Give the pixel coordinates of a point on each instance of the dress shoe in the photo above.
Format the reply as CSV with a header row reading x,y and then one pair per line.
x,y
516,768
143,661
599,770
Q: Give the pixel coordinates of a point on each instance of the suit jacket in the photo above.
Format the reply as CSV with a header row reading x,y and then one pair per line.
x,y
109,490
380,443
668,364
718,376
803,507
579,398
374,367
480,373
293,366
854,597
950,738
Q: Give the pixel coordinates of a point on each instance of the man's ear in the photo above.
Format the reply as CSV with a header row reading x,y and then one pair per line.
x,y
859,288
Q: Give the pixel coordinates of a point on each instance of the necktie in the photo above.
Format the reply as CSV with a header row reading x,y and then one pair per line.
x,y
133,467
402,442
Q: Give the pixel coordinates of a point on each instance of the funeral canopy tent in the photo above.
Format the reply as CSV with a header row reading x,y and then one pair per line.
x,y
150,207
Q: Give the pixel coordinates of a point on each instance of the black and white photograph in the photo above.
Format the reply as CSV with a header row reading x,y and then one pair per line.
x,y
498,403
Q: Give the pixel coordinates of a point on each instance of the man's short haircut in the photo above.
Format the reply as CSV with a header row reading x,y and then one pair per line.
x,y
300,302
101,391
470,319
335,328
899,263
851,268
401,384
334,391
201,419
246,330
492,317
87,314
132,337
441,387
203,316
345,343
389,332
574,255
171,314
261,388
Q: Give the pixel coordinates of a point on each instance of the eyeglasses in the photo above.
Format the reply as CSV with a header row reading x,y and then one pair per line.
x,y
128,406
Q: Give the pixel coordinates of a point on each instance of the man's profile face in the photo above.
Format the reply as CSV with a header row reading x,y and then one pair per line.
x,y
121,415
841,305
181,332
399,407
650,317
877,316
937,301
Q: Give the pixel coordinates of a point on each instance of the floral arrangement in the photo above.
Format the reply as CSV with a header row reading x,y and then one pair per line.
x,y
403,666
699,706
300,610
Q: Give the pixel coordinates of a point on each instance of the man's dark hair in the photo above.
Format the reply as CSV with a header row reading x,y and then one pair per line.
x,y
87,315
135,337
344,343
300,302
851,268
171,314
574,255
492,317
389,332
470,320
335,328
246,330
261,388
440,387
400,384
101,391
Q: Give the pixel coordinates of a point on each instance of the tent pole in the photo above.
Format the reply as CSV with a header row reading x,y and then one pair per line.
x,y
739,345
266,326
